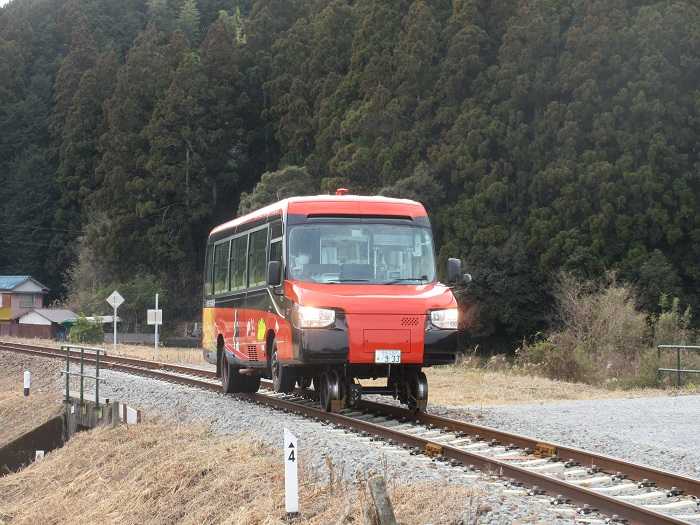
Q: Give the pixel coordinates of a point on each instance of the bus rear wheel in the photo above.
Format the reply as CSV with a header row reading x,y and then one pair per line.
x,y
233,382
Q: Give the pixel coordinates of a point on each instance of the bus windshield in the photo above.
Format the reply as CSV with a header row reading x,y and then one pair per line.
x,y
361,253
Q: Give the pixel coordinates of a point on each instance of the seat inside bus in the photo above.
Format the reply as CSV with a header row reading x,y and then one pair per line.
x,y
358,272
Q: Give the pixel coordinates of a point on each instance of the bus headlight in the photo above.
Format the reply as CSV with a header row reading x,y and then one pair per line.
x,y
445,319
311,317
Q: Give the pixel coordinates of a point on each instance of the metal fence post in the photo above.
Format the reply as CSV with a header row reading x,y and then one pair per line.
x,y
678,371
97,379
67,348
82,378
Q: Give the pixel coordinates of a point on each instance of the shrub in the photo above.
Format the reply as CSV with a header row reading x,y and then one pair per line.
x,y
85,331
547,359
600,336
671,326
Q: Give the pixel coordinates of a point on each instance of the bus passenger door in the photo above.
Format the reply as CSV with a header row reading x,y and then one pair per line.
x,y
239,250
257,297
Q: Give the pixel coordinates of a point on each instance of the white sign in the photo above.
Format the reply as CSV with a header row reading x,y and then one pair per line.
x,y
154,316
115,300
291,481
39,455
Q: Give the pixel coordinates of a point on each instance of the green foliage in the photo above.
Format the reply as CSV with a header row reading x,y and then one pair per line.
x,y
188,19
85,331
671,325
277,185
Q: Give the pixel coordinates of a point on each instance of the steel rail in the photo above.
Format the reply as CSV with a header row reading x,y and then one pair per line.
x,y
688,485
607,504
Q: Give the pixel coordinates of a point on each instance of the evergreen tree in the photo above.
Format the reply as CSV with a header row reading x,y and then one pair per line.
x,y
126,200
188,20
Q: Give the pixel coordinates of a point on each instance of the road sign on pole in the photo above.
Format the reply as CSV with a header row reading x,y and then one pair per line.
x,y
291,481
155,317
115,300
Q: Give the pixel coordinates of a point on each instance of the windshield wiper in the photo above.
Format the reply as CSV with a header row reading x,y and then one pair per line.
x,y
396,281
348,281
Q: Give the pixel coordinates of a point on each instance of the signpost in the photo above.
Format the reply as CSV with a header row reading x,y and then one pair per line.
x,y
291,481
155,317
27,382
115,300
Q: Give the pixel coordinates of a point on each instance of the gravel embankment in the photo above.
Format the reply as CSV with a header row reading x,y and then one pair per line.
x,y
662,432
320,446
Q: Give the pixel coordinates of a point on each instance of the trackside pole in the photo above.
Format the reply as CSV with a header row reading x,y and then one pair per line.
x,y
114,324
115,300
27,382
156,338
291,481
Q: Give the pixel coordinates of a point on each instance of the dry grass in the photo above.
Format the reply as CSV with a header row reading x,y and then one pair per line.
x,y
19,414
174,355
156,473
466,385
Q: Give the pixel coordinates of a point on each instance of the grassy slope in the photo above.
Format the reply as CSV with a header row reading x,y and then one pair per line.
x,y
19,414
158,473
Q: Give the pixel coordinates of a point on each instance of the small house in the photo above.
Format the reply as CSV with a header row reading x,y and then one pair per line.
x,y
18,295
46,323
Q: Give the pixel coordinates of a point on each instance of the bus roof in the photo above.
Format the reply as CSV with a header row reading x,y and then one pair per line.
x,y
331,205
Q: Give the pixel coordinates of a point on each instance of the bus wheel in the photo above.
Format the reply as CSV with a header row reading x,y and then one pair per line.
x,y
233,382
417,392
226,373
330,389
282,377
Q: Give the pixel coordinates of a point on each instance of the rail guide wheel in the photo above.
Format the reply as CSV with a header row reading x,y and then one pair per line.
x,y
330,391
418,392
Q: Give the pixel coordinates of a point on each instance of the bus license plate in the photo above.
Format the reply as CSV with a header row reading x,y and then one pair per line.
x,y
391,357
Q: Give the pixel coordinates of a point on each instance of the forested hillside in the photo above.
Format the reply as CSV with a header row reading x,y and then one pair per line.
x,y
543,135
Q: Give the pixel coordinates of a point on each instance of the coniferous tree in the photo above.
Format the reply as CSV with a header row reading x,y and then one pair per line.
x,y
188,20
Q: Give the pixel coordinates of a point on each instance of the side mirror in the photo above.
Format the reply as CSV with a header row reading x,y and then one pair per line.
x,y
274,273
454,269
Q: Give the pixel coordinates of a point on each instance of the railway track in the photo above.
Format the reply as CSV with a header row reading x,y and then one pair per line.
x,y
624,491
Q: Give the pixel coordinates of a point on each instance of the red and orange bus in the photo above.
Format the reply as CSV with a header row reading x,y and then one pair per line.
x,y
329,290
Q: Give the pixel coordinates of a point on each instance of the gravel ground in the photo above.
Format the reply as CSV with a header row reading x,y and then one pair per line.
x,y
320,446
662,432
659,431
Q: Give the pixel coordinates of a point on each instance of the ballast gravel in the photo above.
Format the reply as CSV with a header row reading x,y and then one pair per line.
x,y
662,432
323,448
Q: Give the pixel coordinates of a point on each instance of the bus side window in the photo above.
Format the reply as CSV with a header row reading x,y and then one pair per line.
x,y
276,251
221,257
239,248
257,256
276,230
208,268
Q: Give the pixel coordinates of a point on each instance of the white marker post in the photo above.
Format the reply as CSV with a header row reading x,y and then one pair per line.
x,y
156,327
115,300
27,382
291,480
155,317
